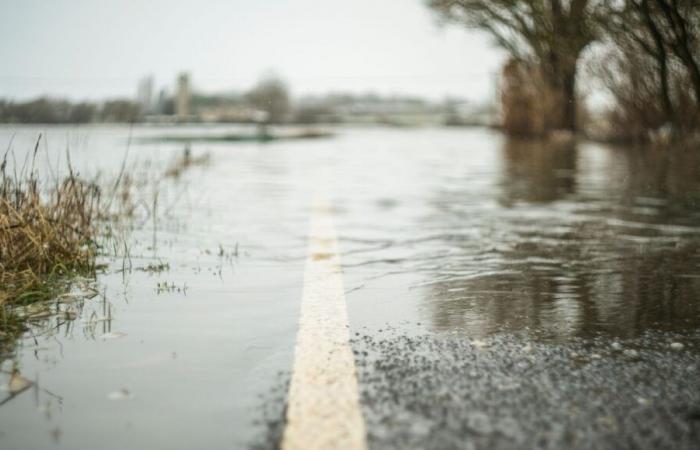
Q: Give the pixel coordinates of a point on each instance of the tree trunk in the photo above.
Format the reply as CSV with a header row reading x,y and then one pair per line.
x,y
569,119
560,98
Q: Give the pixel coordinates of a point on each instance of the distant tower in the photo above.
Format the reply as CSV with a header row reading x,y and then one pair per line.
x,y
182,100
144,94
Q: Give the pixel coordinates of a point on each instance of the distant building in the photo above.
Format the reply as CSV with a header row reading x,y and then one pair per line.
x,y
182,98
164,103
144,95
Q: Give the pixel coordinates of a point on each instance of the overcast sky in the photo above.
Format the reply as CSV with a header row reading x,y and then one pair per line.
x,y
89,49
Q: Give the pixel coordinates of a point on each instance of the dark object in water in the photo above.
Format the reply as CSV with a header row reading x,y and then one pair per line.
x,y
244,137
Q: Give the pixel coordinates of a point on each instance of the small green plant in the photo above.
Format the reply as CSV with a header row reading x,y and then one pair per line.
x,y
170,288
154,268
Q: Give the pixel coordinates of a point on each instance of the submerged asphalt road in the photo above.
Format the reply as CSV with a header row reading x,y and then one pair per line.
x,y
552,323
499,294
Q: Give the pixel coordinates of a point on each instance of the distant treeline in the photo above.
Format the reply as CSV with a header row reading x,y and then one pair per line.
x,y
47,110
268,101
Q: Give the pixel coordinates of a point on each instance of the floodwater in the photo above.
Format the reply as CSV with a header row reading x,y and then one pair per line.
x,y
456,232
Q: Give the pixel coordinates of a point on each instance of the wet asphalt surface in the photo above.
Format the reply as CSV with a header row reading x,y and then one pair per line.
x,y
507,392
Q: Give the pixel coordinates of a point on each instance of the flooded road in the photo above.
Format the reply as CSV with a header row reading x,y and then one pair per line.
x,y
502,270
552,240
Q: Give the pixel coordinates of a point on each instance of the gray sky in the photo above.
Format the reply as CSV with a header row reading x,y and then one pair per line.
x,y
88,49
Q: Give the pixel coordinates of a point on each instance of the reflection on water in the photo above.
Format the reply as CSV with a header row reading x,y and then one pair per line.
x,y
585,240
537,172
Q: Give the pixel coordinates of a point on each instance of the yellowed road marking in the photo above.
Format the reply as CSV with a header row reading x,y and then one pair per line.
x,y
323,411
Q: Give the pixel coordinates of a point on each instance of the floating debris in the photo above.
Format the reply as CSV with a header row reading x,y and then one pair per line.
x,y
113,335
95,319
155,268
121,394
18,383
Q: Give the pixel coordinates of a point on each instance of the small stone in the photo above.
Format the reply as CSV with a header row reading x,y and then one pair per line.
x,y
676,346
643,401
510,428
480,423
616,346
631,353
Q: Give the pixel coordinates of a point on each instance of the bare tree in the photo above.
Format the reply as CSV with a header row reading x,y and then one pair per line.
x,y
551,34
680,21
632,29
657,55
271,96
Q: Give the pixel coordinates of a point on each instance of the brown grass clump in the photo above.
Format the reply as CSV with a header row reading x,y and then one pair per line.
x,y
51,233
45,234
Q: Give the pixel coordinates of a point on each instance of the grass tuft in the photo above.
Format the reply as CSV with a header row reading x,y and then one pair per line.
x,y
47,235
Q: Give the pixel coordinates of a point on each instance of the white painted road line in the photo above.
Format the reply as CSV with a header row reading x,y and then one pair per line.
x,y
323,408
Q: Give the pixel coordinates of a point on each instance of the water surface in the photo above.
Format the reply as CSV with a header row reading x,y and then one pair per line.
x,y
444,231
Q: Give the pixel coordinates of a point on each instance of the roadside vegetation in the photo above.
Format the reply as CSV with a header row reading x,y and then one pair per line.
x,y
48,235
54,232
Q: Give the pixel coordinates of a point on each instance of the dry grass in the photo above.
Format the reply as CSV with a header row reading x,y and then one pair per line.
x,y
51,233
48,236
45,234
